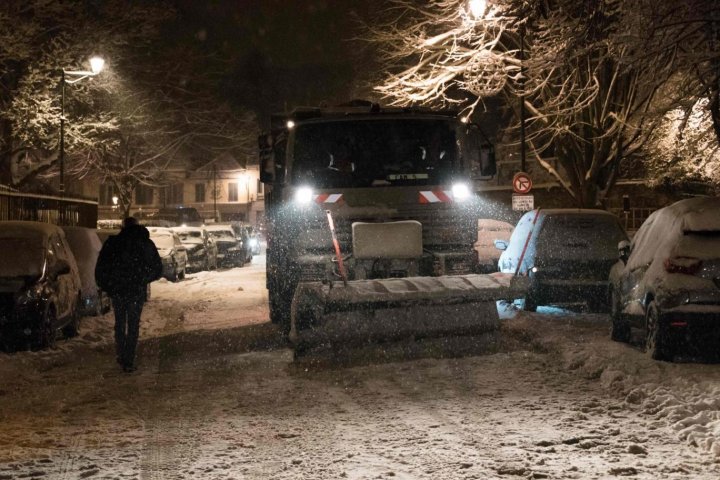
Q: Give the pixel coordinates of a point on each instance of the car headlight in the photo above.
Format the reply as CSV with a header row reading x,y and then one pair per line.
x,y
31,294
303,195
253,242
461,192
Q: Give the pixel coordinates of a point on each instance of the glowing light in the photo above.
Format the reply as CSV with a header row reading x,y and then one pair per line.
x,y
303,195
96,64
461,192
290,124
477,8
464,119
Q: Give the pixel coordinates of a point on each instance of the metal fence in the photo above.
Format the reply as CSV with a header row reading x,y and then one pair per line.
x,y
66,211
632,219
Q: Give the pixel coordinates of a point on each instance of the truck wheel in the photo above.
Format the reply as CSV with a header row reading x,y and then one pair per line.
x,y
280,310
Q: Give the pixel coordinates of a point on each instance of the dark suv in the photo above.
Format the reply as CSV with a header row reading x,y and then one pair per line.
x,y
567,255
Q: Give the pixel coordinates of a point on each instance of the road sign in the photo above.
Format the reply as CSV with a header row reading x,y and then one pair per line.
x,y
523,203
522,184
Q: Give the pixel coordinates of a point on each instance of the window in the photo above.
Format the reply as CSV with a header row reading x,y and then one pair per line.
x,y
232,192
106,193
173,194
143,195
200,193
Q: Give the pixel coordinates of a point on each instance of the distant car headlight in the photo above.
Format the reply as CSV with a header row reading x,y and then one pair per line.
x,y
253,242
303,195
461,192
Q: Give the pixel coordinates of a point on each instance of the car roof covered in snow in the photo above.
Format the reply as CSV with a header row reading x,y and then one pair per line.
x,y
218,227
698,214
28,229
573,211
187,229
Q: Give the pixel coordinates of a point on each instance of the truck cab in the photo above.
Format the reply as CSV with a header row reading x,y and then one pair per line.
x,y
398,185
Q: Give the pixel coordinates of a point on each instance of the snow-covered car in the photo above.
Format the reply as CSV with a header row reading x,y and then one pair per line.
x,y
490,230
567,255
40,287
85,245
667,281
172,252
230,251
201,248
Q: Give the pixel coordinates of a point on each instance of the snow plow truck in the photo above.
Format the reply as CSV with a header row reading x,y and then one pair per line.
x,y
371,217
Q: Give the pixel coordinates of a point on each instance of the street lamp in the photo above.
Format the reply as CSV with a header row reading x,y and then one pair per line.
x,y
96,66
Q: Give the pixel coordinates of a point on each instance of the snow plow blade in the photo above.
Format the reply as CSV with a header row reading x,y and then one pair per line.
x,y
392,309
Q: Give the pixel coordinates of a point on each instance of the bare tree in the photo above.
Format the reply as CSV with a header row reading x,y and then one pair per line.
x,y
590,101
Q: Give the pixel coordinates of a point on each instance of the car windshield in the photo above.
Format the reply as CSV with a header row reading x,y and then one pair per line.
x,y
162,241
26,260
374,152
580,236
222,234
190,237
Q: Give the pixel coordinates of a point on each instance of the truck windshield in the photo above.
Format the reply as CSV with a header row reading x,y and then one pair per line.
x,y
377,152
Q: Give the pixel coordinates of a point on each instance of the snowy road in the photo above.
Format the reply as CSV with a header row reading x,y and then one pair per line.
x,y
217,396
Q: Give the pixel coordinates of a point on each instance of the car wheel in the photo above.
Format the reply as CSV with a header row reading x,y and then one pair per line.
x,y
530,304
46,330
657,341
174,274
72,329
620,330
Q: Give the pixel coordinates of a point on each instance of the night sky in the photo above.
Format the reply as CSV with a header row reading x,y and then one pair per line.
x,y
279,54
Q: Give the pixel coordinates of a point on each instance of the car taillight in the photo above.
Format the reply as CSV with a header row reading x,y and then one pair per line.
x,y
686,265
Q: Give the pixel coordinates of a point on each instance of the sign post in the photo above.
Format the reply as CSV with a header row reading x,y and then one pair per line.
x,y
522,201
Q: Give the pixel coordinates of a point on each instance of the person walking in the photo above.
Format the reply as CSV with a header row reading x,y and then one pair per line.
x,y
126,264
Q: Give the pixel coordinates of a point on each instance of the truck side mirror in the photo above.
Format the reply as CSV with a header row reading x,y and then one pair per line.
x,y
488,168
267,160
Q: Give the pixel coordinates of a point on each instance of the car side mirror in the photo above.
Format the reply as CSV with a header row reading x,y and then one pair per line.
x,y
624,251
61,267
500,244
488,167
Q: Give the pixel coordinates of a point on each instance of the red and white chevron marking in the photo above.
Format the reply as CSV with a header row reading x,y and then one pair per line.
x,y
329,198
436,196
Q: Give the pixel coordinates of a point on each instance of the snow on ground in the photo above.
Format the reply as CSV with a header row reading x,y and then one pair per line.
x,y
218,396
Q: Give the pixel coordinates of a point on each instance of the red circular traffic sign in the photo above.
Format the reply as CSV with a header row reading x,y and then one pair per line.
x,y
522,183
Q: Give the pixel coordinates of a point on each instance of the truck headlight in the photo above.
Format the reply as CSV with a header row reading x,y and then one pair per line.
x,y
303,195
461,192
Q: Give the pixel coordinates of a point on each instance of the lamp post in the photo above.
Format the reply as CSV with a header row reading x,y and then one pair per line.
x,y
96,66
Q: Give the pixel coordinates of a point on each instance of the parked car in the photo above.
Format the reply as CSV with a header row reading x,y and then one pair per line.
x,y
172,252
200,246
40,286
243,234
490,230
85,245
566,253
253,240
667,282
230,249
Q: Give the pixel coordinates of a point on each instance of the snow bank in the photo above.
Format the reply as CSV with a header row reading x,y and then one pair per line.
x,y
684,396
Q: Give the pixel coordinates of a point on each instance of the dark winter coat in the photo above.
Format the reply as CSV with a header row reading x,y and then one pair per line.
x,y
127,262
